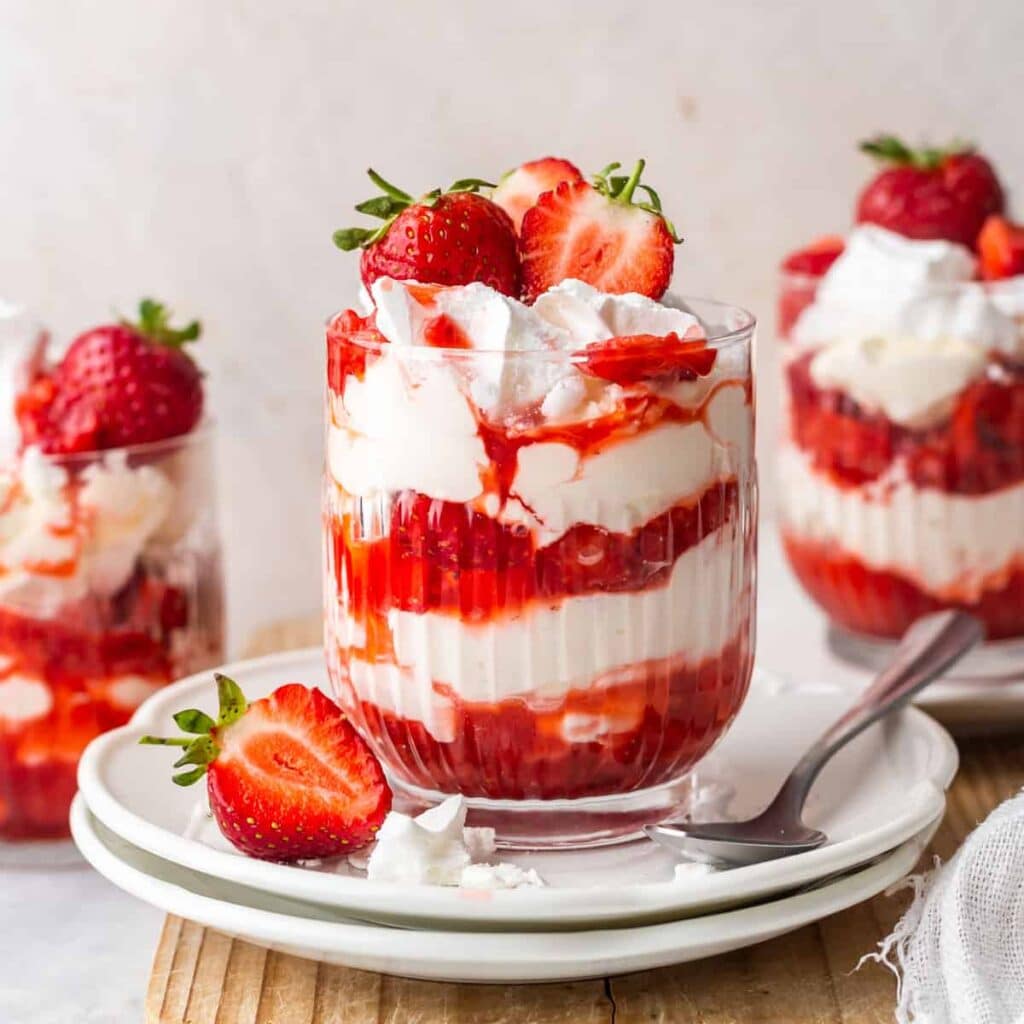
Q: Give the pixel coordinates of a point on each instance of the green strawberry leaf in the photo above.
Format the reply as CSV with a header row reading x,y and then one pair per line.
x,y
187,778
232,701
470,185
202,751
194,721
154,324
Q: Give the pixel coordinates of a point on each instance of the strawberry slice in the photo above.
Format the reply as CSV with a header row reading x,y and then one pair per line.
x,y
816,258
634,358
520,189
599,235
288,777
1001,248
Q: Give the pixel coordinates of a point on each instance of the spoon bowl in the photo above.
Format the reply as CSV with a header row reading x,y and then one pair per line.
x,y
928,649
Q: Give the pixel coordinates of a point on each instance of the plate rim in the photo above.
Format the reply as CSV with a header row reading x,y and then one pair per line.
x,y
390,901
500,956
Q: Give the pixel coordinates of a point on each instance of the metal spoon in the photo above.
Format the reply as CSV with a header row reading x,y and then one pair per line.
x,y
930,647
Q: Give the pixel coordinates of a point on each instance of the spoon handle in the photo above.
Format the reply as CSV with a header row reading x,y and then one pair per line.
x,y
930,647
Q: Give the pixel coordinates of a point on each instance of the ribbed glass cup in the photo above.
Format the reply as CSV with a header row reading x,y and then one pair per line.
x,y
550,614
119,592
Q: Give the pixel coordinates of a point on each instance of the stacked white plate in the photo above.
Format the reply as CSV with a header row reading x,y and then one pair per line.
x,y
602,911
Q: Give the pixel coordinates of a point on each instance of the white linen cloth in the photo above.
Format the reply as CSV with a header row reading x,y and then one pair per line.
x,y
958,951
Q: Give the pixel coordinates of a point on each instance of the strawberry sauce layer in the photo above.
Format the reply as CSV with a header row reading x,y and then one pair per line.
x,y
444,556
979,449
80,657
885,604
646,727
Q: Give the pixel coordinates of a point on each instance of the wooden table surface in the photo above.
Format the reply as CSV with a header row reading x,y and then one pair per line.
x,y
202,977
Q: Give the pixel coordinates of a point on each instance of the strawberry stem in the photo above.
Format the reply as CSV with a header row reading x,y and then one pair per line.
x,y
625,195
892,149
154,324
621,189
200,747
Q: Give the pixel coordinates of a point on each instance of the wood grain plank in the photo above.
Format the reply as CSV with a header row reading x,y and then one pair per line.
x,y
288,993
345,996
208,981
182,972
403,1000
243,982
784,981
160,972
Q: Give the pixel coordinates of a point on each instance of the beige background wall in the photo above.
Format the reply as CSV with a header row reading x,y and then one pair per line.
x,y
203,151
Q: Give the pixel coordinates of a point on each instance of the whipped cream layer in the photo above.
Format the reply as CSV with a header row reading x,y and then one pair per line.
x,y
415,423
953,546
23,699
545,652
60,542
903,327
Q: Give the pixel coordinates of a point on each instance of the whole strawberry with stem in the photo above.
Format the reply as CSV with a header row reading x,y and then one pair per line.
x,y
117,384
288,777
601,234
930,193
453,237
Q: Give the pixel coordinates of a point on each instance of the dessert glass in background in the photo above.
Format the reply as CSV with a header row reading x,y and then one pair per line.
x,y
901,472
540,548
110,588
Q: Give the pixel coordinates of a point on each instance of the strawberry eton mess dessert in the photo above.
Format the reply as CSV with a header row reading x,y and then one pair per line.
x,y
539,502
902,470
109,571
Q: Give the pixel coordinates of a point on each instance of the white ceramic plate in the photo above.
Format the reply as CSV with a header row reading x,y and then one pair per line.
x,y
319,933
883,789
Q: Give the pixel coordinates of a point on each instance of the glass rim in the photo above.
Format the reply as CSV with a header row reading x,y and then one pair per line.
x,y
200,434
673,300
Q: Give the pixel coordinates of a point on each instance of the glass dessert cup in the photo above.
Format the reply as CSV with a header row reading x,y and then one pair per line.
x,y
884,521
111,588
549,613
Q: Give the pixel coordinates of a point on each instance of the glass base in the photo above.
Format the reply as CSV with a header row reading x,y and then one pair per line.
x,y
564,824
40,854
1001,661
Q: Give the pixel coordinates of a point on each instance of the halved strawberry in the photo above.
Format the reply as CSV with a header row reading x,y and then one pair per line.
x,y
520,189
599,235
815,258
288,776
640,357
1001,248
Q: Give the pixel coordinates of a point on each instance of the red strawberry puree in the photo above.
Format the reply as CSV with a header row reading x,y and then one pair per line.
x,y
902,469
97,610
531,601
